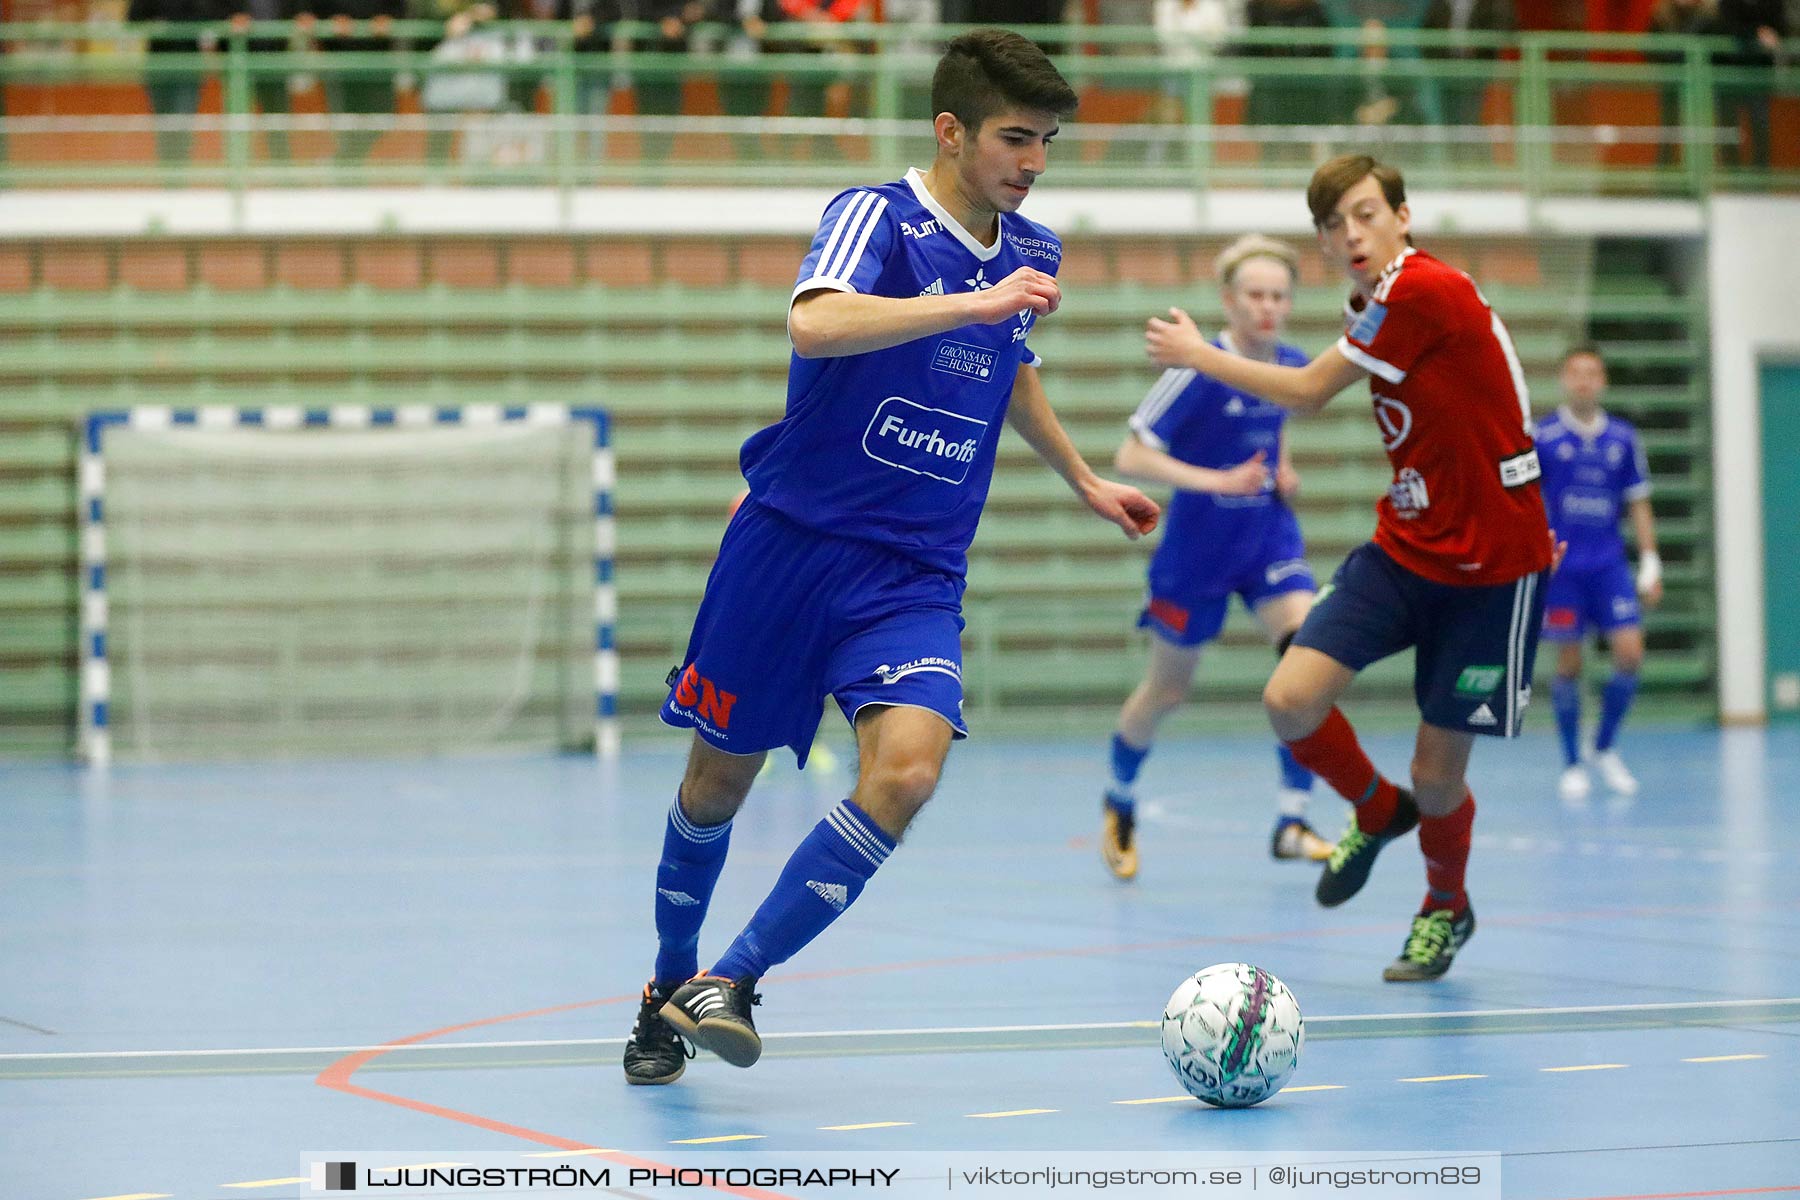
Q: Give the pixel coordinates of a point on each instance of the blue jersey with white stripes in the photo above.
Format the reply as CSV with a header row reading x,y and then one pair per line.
x,y
1589,476
897,446
1201,421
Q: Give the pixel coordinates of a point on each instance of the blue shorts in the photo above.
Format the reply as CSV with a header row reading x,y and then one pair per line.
x,y
1473,646
1194,614
792,615
1603,598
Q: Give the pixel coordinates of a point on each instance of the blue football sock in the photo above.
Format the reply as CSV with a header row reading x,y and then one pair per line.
x,y
1565,698
1615,702
1127,759
1293,775
824,877
692,857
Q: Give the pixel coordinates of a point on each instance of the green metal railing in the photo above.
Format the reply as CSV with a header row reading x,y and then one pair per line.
x,y
1584,117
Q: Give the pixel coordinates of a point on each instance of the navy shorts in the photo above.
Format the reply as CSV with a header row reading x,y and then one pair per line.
x,y
792,615
1192,616
1473,646
1604,598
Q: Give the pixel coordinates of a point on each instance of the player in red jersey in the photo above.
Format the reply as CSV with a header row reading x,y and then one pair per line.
x,y
1460,553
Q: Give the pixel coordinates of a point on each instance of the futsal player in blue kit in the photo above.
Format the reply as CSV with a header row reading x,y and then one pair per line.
x,y
842,574
1594,471
1229,531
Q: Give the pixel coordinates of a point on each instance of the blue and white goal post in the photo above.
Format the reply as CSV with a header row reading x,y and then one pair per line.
x,y
169,478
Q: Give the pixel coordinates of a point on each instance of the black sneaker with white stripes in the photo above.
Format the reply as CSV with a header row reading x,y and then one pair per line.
x,y
653,1052
714,1013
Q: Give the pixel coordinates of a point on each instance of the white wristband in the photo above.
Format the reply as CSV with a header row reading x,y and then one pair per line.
x,y
1649,570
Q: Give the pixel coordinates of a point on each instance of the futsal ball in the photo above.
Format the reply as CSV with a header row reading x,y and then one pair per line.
x,y
1232,1033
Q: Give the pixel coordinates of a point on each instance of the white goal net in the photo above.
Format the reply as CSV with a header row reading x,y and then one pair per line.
x,y
289,583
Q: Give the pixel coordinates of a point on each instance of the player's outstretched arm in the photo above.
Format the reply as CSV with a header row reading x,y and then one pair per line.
x,y
1140,460
1029,414
824,323
1177,342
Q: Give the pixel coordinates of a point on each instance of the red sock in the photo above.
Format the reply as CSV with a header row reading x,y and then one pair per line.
x,y
1445,841
1333,754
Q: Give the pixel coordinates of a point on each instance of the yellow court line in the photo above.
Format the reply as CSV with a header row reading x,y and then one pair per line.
x,y
1156,1100
262,1183
1316,1087
1725,1058
138,1196
1439,1078
730,1137
563,1153
1017,1112
1586,1067
869,1125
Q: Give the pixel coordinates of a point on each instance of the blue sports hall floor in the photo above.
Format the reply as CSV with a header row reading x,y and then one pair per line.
x,y
207,971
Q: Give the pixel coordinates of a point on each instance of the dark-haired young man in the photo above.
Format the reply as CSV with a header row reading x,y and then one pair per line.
x,y
1461,549
843,572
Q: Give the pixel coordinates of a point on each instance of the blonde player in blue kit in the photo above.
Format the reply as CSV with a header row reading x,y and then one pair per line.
x,y
1229,532
842,574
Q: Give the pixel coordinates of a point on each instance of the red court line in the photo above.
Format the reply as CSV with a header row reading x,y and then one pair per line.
x,y
337,1077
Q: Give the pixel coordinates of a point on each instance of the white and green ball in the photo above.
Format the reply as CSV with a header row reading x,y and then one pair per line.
x,y
1232,1034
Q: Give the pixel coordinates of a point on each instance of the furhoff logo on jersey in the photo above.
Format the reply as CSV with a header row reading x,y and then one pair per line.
x,y
1583,507
925,441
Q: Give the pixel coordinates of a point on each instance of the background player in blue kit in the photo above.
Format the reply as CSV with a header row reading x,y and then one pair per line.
x,y
1594,468
843,572
1229,532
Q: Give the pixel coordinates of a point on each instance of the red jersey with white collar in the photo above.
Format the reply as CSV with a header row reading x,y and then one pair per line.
x,y
1450,399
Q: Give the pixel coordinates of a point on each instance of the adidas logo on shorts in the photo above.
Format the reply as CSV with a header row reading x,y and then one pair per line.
x,y
1483,716
834,894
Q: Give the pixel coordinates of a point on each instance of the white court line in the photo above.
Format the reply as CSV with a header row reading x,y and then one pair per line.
x,y
1095,1026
